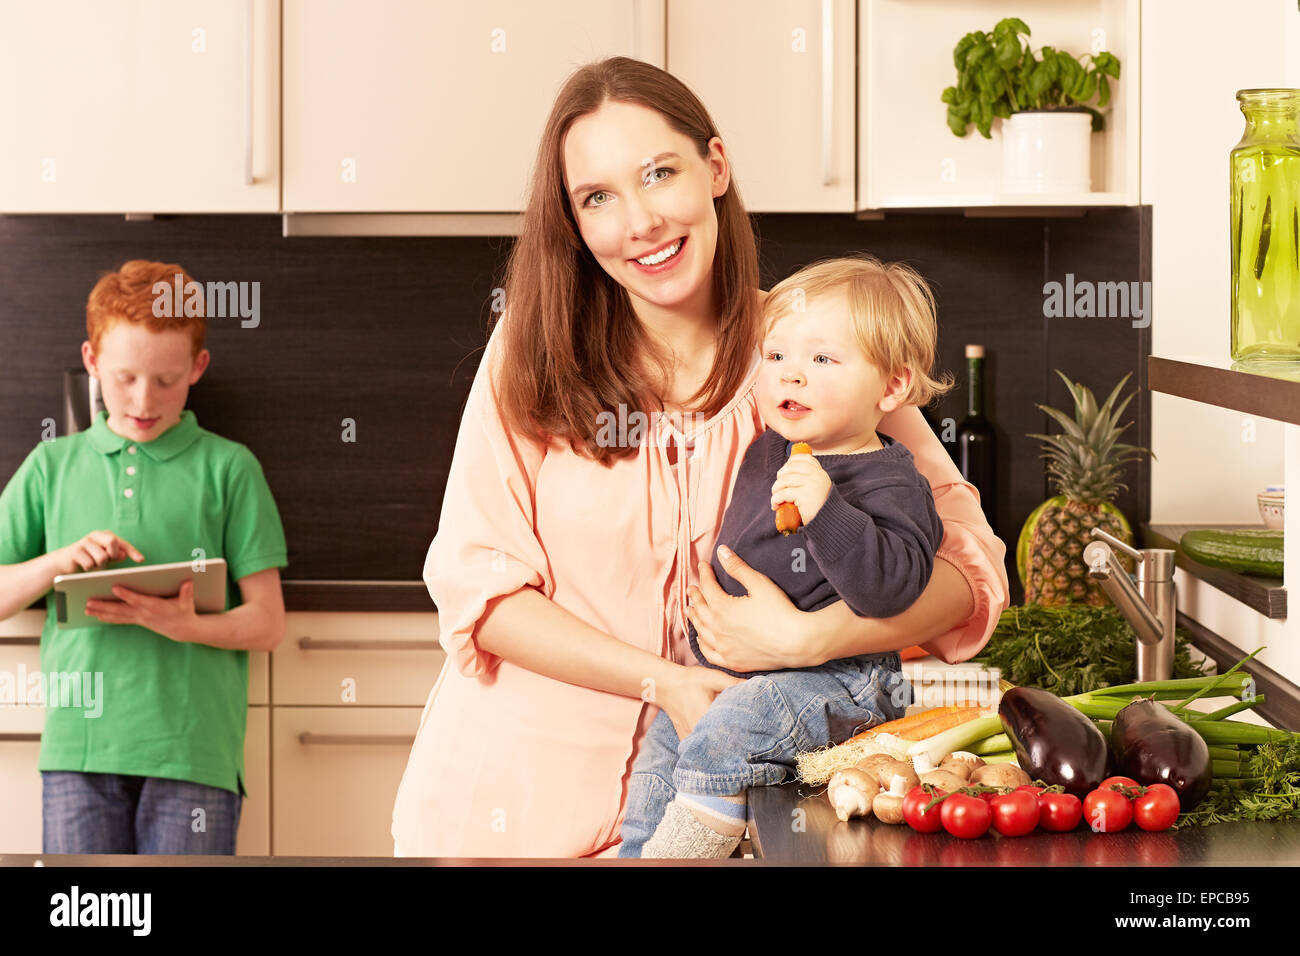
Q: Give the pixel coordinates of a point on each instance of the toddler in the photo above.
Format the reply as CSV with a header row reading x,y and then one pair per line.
x,y
846,342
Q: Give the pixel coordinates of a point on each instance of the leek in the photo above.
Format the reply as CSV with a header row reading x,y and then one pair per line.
x,y
961,737
990,745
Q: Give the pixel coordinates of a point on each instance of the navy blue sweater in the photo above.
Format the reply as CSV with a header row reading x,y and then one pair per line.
x,y
872,544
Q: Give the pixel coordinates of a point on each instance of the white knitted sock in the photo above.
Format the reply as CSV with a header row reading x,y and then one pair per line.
x,y
681,836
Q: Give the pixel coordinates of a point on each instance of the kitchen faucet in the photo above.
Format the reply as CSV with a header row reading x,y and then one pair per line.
x,y
1150,606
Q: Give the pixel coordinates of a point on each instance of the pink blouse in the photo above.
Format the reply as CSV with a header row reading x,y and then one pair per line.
x,y
508,763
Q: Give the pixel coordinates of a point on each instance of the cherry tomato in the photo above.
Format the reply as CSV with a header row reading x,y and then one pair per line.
x,y
1122,781
1030,788
1107,811
1158,808
1059,812
965,816
1015,813
914,812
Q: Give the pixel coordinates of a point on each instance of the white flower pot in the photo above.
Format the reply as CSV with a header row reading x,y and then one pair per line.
x,y
1047,152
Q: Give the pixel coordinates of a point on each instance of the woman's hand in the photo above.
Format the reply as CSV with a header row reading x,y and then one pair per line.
x,y
762,630
689,695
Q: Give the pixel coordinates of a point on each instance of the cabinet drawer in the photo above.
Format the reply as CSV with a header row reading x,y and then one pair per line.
x,y
254,838
386,659
336,771
20,676
20,781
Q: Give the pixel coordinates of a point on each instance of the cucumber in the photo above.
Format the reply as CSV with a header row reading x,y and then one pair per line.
x,y
1250,551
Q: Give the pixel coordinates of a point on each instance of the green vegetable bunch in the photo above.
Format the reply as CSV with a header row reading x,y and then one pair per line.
x,y
998,74
1072,648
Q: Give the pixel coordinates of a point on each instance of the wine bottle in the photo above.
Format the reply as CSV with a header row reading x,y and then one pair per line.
x,y
976,441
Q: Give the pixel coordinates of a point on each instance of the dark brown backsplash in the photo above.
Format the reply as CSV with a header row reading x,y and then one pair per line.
x,y
387,332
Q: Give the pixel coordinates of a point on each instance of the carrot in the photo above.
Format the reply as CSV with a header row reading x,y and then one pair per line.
x,y
788,519
900,726
939,724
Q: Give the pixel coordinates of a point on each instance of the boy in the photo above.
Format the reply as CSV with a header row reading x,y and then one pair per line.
x,y
157,765
846,342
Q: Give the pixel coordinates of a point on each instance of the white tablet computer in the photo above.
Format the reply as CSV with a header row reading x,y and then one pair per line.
x,y
72,591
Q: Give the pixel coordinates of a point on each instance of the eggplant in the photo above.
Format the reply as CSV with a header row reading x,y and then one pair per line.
x,y
1054,742
1151,745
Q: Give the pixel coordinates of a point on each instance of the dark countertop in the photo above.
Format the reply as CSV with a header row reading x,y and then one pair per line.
x,y
794,824
814,837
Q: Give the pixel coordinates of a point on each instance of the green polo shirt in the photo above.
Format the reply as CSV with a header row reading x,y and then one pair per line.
x,y
149,706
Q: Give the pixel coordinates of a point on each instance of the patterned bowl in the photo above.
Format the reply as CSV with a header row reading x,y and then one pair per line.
x,y
1270,509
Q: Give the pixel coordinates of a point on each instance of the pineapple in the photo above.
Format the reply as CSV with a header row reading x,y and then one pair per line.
x,y
1085,462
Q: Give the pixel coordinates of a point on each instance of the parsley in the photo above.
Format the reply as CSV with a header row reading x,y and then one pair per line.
x,y
1270,791
1071,649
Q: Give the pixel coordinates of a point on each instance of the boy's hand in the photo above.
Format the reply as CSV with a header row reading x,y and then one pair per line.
x,y
94,551
171,617
803,481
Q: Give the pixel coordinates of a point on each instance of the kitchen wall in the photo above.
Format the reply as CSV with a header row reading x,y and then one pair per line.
x,y
385,332
1209,462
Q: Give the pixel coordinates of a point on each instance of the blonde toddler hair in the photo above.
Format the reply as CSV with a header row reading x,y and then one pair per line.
x,y
891,310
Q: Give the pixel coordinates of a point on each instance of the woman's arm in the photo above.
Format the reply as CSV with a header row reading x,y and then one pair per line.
x,y
756,632
532,631
835,631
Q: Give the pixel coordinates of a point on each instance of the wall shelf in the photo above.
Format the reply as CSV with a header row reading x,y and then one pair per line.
x,y
908,158
1216,382
1265,595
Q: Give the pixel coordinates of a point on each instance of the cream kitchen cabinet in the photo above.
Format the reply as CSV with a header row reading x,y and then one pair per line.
x,y
254,836
141,106
908,158
356,659
347,691
435,105
332,715
20,746
778,78
336,776
20,735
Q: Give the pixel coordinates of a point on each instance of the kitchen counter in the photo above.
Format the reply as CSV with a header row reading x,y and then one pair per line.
x,y
794,824
821,839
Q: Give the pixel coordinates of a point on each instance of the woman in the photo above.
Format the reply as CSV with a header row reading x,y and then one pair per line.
x,y
573,524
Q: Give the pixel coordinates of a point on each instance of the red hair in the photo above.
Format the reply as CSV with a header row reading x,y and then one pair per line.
x,y
128,295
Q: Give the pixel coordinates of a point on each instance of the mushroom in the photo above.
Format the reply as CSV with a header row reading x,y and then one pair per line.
x,y
886,772
871,763
888,805
961,763
851,791
944,780
1000,775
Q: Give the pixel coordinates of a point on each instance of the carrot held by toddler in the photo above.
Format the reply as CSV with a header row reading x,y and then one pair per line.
x,y
788,519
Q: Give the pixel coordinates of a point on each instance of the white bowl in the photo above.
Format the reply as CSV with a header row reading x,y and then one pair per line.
x,y
1270,509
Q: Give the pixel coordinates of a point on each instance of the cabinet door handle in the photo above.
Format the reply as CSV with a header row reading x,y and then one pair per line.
x,y
365,740
828,88
248,92
20,738
319,644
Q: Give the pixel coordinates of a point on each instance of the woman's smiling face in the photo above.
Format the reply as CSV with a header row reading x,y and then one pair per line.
x,y
639,190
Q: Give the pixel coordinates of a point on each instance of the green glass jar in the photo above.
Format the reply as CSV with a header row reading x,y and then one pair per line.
x,y
1265,174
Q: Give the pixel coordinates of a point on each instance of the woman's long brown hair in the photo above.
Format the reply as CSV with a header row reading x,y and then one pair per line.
x,y
572,347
